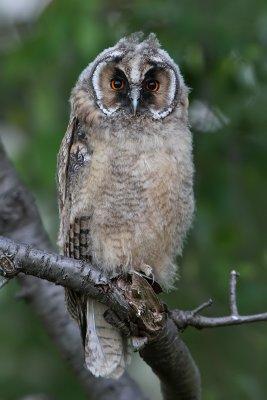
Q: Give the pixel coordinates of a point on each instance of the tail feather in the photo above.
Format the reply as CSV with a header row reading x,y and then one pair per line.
x,y
106,351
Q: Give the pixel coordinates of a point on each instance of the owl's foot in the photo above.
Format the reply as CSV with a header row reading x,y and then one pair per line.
x,y
146,271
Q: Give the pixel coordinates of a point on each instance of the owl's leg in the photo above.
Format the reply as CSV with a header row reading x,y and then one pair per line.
x,y
146,269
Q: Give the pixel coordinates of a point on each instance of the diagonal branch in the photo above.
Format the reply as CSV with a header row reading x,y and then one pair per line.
x,y
165,352
77,275
183,319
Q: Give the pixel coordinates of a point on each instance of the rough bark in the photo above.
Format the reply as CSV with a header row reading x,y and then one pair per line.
x,y
172,362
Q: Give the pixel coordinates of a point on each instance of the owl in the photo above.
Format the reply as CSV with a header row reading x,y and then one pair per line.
x,y
125,181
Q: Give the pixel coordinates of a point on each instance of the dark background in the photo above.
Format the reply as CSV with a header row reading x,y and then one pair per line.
x,y
221,47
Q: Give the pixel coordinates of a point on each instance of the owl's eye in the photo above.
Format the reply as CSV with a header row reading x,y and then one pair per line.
x,y
117,84
152,85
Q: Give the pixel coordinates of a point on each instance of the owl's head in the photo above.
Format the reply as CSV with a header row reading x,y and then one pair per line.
x,y
135,78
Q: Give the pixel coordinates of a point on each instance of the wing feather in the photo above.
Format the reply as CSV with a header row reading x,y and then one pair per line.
x,y
106,351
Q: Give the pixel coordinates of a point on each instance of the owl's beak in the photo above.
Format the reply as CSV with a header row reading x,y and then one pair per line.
x,y
135,105
135,99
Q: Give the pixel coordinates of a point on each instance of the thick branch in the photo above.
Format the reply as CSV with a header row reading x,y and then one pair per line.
x,y
171,360
75,274
183,319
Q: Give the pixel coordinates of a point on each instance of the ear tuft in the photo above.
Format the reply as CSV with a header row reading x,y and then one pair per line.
x,y
152,41
131,40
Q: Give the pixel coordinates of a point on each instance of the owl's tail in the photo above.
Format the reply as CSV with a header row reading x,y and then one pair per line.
x,y
106,350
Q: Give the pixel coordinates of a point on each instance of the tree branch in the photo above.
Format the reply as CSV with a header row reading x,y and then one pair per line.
x,y
18,258
165,352
183,319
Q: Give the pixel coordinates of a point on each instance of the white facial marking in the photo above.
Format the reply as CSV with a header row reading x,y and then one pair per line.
x,y
172,88
160,114
96,84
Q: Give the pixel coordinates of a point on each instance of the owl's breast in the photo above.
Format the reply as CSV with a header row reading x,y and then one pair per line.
x,y
135,204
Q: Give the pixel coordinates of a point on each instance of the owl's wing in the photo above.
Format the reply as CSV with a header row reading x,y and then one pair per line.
x,y
106,351
63,160
74,154
73,237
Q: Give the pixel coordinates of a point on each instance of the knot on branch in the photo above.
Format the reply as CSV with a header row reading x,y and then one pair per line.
x,y
147,307
146,314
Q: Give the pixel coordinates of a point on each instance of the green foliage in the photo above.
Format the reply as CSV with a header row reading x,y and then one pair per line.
x,y
221,48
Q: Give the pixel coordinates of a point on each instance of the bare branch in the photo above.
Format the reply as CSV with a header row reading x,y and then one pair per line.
x,y
75,274
232,297
183,319
165,352
202,307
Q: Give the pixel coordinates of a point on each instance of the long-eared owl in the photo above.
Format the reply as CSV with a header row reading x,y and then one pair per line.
x,y
125,180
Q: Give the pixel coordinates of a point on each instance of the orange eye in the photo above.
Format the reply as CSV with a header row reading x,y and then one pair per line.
x,y
117,84
152,85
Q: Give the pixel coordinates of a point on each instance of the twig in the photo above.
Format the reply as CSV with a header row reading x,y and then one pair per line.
x,y
183,319
202,307
232,297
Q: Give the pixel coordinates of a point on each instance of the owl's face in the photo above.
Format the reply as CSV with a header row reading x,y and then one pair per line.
x,y
135,79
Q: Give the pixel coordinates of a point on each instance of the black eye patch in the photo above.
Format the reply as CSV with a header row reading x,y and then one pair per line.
x,y
117,59
121,95
118,73
152,73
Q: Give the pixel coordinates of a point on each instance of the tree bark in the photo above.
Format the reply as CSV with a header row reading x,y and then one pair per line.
x,y
172,362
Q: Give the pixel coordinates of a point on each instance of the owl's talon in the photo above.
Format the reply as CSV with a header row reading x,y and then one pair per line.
x,y
146,269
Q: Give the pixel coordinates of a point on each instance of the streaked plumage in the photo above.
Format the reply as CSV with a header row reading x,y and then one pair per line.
x,y
125,177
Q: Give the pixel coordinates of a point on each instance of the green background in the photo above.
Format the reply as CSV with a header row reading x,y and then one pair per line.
x,y
221,47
